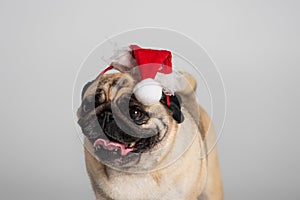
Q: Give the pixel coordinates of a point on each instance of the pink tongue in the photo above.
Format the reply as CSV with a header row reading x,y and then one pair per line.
x,y
112,145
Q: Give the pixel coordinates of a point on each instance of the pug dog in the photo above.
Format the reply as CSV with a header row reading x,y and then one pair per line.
x,y
137,152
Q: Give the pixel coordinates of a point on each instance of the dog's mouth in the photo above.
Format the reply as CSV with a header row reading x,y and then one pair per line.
x,y
123,149
111,138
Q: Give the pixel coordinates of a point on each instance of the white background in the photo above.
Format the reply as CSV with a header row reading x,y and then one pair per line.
x,y
254,43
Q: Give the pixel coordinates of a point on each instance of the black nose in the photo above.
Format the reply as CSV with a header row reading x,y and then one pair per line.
x,y
105,117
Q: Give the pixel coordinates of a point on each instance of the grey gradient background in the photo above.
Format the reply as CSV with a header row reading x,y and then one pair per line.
x,y
254,43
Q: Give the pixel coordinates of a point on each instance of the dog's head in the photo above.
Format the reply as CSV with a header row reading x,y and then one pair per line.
x,y
121,131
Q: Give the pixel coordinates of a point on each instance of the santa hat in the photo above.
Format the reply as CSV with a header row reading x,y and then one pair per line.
x,y
155,70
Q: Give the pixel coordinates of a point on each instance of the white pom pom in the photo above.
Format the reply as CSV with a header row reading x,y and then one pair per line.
x,y
148,92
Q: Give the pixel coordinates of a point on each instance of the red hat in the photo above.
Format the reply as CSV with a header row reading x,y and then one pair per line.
x,y
150,62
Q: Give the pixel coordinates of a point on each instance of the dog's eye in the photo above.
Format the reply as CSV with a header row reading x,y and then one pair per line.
x,y
136,113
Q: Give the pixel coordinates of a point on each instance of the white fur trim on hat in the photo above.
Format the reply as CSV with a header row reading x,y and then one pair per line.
x,y
123,60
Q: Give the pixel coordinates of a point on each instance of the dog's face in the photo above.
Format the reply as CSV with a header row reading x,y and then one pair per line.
x,y
122,132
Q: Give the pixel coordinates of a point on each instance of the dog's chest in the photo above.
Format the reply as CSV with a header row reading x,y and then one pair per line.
x,y
144,186
174,183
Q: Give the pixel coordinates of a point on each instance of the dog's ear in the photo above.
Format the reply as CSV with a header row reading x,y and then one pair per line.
x,y
188,94
175,106
185,97
191,84
85,87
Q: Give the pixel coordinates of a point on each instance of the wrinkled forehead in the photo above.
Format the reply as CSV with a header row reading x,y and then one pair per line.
x,y
110,82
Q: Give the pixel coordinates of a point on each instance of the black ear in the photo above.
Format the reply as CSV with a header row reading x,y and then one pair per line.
x,y
175,106
85,88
